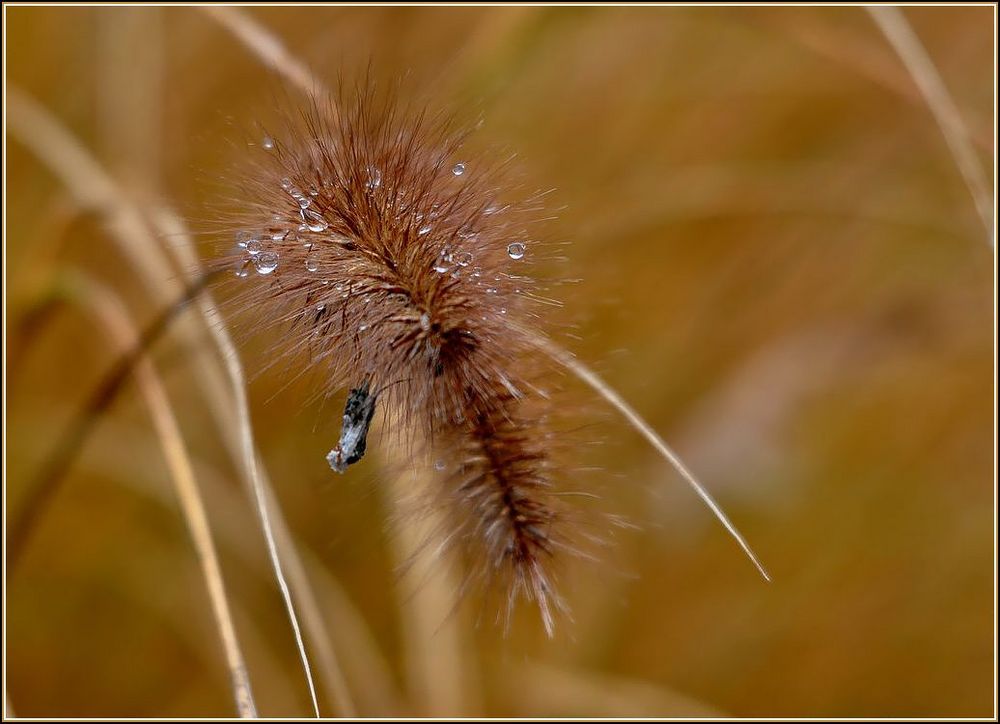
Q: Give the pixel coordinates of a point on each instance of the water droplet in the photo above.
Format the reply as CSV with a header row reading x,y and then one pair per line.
x,y
314,221
374,179
443,261
425,321
253,247
320,307
268,143
424,229
243,270
266,262
242,237
362,327
515,250
278,235
459,169
304,202
286,183
439,465
463,258
312,263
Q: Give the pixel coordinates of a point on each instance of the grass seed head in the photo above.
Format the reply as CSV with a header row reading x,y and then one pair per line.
x,y
388,253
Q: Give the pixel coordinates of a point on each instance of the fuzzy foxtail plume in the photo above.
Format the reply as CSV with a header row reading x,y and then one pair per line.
x,y
396,262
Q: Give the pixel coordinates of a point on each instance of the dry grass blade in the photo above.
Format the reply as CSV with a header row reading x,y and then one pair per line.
x,y
898,31
266,46
366,669
243,449
262,495
110,312
91,186
263,508
587,375
46,482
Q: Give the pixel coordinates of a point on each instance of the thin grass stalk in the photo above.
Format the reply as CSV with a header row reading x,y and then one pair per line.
x,y
110,313
266,46
591,378
901,36
234,423
94,189
366,670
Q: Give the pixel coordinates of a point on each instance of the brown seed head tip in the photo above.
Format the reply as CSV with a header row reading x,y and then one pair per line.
x,y
388,254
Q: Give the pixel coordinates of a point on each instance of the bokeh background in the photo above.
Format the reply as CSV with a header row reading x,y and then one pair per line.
x,y
778,263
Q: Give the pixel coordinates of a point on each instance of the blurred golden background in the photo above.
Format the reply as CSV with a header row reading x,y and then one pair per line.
x,y
779,264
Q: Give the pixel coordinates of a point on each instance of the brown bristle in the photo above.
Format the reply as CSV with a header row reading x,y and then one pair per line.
x,y
502,502
392,257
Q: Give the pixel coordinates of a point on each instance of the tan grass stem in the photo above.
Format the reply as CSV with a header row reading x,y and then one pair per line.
x,y
366,669
94,189
266,46
591,378
239,437
901,36
112,316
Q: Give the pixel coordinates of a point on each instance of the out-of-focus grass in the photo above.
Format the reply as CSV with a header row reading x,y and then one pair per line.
x,y
780,266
